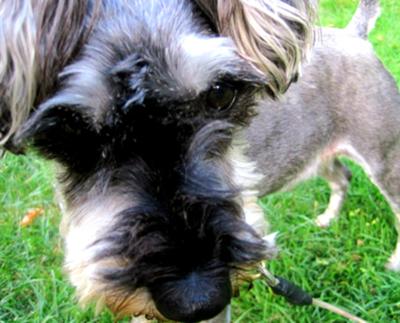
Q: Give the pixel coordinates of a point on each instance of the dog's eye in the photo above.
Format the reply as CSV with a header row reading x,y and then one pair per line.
x,y
221,96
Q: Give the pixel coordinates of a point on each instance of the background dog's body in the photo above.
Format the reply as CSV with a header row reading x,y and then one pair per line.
x,y
345,103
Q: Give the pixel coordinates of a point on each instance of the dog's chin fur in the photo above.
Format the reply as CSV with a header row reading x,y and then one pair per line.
x,y
104,256
142,104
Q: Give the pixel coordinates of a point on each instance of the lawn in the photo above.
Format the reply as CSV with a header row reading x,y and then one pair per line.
x,y
343,264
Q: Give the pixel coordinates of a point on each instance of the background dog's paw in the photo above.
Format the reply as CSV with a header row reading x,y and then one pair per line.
x,y
140,319
393,264
324,220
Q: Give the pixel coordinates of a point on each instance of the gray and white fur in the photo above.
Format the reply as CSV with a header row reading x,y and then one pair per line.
x,y
345,104
142,104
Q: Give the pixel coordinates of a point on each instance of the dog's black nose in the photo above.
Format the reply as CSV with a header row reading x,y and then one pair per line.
x,y
194,298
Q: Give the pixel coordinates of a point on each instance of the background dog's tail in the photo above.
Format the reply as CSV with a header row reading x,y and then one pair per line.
x,y
364,19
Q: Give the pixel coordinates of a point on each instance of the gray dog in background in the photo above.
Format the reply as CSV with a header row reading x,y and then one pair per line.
x,y
346,103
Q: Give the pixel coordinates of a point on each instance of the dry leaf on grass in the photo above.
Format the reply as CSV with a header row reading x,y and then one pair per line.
x,y
30,216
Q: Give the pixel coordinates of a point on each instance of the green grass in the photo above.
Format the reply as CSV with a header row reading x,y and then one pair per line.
x,y
343,264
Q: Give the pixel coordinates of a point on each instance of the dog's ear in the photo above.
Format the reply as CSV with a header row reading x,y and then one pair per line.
x,y
274,35
37,40
62,29
63,133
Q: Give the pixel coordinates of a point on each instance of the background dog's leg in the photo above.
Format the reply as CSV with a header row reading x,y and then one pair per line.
x,y
388,181
338,177
394,260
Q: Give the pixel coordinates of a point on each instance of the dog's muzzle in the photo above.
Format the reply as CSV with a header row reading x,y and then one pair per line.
x,y
196,297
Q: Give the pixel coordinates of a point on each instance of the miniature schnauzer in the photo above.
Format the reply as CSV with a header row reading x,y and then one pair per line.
x,y
143,105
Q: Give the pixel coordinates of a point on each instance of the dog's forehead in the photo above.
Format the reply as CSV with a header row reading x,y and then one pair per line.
x,y
183,57
198,61
171,37
175,52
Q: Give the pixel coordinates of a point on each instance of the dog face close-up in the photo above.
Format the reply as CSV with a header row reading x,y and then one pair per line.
x,y
142,130
142,105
